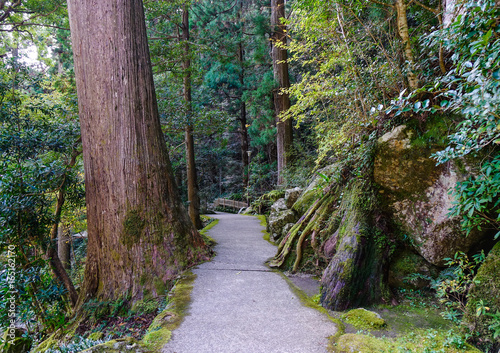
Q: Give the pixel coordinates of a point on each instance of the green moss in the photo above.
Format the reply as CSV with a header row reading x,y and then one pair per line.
x,y
263,223
50,342
358,343
204,233
306,200
419,341
115,255
155,340
95,336
119,346
160,286
363,319
133,225
160,330
485,292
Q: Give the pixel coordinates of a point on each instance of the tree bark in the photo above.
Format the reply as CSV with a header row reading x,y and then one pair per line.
x,y
139,234
51,252
281,99
192,178
63,246
402,24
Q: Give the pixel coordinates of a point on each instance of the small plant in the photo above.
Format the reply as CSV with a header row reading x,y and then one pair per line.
x,y
495,324
76,345
452,290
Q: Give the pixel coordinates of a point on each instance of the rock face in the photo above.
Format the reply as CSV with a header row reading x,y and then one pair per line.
x,y
417,193
292,195
279,217
406,263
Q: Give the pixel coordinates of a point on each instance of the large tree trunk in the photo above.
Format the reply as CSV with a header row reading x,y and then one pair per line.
x,y
139,234
192,178
281,100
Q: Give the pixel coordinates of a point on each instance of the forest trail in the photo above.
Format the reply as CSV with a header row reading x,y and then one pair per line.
x,y
239,305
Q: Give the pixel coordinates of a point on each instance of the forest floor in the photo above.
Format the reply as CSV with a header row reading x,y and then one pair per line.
x,y
240,305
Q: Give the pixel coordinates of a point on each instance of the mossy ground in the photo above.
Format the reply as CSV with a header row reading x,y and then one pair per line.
x,y
414,325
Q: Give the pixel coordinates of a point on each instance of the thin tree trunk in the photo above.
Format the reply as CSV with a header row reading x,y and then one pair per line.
x,y
243,120
192,179
51,253
281,99
64,246
139,235
402,23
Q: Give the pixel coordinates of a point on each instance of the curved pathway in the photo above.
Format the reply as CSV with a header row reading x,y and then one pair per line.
x,y
239,305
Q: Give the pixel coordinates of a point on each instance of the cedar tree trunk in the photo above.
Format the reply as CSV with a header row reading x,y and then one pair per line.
x,y
281,99
139,235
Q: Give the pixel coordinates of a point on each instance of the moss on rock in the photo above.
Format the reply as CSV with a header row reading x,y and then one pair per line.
x,y
405,264
364,319
351,342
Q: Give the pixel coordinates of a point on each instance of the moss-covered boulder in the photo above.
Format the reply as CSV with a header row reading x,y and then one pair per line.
x,y
279,217
416,192
409,270
15,341
485,291
364,319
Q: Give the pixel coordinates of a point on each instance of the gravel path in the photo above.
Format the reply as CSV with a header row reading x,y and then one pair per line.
x,y
239,305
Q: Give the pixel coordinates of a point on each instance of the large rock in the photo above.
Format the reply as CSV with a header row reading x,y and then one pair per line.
x,y
404,265
417,193
279,217
292,195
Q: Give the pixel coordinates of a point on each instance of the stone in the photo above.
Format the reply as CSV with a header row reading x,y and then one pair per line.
x,y
364,319
287,228
416,192
291,196
279,217
406,263
15,342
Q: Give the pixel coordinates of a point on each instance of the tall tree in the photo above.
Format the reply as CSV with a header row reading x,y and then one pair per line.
x,y
139,234
281,98
192,179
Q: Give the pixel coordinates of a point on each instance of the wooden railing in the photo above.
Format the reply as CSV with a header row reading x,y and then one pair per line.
x,y
230,203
